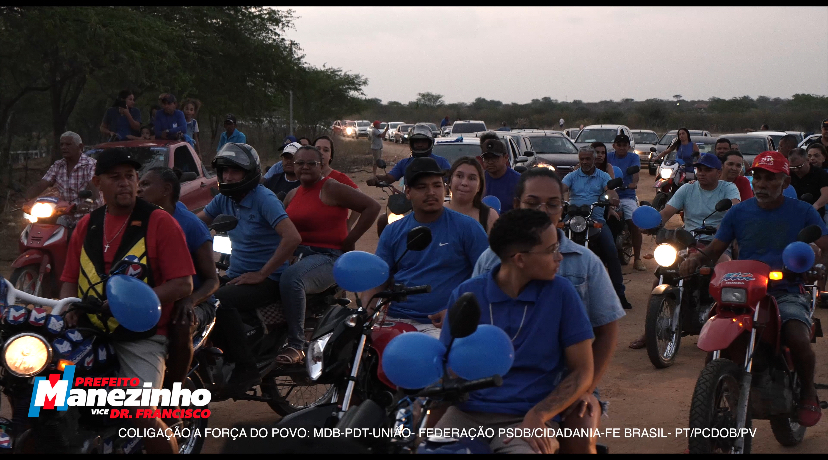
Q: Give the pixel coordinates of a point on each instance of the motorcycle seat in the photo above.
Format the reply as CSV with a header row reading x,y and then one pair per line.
x,y
273,316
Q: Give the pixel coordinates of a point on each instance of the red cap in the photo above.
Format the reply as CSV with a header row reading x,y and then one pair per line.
x,y
376,122
774,162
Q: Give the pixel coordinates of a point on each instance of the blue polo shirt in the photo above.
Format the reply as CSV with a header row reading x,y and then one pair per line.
x,y
399,169
503,188
120,124
631,159
587,189
457,242
175,123
195,232
254,239
237,137
555,319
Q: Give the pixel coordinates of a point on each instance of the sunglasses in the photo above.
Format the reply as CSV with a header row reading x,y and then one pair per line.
x,y
309,163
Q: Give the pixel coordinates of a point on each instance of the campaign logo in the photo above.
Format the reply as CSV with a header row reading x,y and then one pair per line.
x,y
74,335
38,317
738,277
133,270
5,441
51,392
55,324
62,346
17,314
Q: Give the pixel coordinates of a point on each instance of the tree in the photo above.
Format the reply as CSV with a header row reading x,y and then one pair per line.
x,y
677,97
430,100
325,93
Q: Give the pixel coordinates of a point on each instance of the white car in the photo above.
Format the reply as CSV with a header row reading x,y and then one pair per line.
x,y
572,133
809,140
446,131
363,127
467,126
605,134
644,140
392,126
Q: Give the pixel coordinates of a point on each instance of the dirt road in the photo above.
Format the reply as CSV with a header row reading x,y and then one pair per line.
x,y
640,396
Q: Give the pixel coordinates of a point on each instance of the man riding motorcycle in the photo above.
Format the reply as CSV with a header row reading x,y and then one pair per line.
x,y
262,242
698,200
763,226
420,142
128,227
585,187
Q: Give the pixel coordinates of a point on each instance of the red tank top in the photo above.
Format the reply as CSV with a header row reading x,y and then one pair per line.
x,y
320,225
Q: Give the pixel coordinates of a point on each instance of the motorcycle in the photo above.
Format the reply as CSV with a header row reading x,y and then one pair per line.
x,y
579,226
751,374
43,245
357,337
285,388
623,238
679,306
672,175
37,343
396,206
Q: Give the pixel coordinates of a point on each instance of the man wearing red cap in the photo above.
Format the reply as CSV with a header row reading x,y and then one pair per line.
x,y
750,223
376,142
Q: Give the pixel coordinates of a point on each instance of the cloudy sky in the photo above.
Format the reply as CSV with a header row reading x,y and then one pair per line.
x,y
588,53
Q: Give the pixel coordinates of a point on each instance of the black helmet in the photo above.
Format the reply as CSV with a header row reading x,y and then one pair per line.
x,y
240,156
420,131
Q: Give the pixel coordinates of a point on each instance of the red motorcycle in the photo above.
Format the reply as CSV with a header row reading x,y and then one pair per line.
x,y
43,245
751,374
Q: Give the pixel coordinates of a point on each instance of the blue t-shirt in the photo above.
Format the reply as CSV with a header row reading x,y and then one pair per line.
x,y
631,159
503,188
237,137
684,152
175,123
398,170
120,124
555,319
763,234
278,168
617,171
254,239
195,232
457,242
587,189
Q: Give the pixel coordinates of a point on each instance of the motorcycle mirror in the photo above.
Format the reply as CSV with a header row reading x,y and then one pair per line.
x,y
809,234
808,198
723,205
84,194
684,237
129,268
529,153
633,170
399,204
464,316
653,149
381,163
615,183
645,203
418,238
520,169
223,223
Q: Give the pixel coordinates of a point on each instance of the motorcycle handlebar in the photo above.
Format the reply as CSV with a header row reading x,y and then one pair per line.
x,y
57,305
424,289
462,388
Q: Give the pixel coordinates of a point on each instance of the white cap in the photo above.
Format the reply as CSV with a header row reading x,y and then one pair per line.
x,y
291,148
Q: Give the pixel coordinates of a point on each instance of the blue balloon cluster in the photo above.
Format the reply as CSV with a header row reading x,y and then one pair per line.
x,y
646,217
358,271
487,352
798,257
492,202
413,360
133,303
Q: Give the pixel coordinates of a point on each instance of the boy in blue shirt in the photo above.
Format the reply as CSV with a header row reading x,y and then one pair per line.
x,y
621,158
170,122
552,336
500,177
457,242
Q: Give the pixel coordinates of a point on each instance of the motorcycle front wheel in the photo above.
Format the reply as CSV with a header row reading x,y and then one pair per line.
x,y
193,443
289,394
623,242
661,335
714,405
25,279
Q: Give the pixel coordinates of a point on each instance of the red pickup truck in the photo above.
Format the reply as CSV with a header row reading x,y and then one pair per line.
x,y
198,184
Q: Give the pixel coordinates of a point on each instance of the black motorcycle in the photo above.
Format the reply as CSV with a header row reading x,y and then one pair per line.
x,y
578,225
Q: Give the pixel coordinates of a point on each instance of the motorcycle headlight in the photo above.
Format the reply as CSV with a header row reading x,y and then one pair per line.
x,y
30,217
545,165
734,295
221,244
394,217
25,355
316,351
666,173
42,210
577,224
665,255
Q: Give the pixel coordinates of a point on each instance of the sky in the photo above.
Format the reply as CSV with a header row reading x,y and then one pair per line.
x,y
516,54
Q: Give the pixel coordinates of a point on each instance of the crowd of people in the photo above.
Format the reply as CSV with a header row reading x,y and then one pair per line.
x,y
558,301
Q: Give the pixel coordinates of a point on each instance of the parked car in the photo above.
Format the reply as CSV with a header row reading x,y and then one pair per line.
x,y
446,131
809,140
401,134
750,145
555,149
363,129
336,128
798,134
572,133
392,127
667,138
603,133
197,182
349,128
775,135
644,140
468,146
435,131
467,126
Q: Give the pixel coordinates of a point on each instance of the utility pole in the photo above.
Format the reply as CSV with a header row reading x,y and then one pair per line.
x,y
290,122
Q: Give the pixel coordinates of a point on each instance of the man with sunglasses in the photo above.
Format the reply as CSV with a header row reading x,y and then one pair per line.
x,y
541,189
500,177
808,180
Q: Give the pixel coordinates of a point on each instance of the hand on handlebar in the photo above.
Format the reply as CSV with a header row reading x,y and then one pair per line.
x,y
372,182
437,319
690,265
71,316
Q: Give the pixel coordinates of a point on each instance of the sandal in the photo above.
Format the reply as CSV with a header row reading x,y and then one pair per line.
x,y
638,343
809,412
290,355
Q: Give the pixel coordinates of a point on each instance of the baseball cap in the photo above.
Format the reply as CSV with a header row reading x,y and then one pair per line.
x,y
168,98
422,166
291,148
774,162
494,147
376,123
709,160
289,140
622,138
231,118
110,158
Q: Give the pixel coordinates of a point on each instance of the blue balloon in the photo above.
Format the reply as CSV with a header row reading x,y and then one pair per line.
x,y
492,202
798,257
413,360
133,303
646,217
488,351
359,271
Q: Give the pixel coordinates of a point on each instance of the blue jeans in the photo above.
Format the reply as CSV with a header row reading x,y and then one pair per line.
x,y
310,275
603,245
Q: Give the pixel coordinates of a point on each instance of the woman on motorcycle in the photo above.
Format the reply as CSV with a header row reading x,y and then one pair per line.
x,y
160,186
601,159
466,183
684,148
319,210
